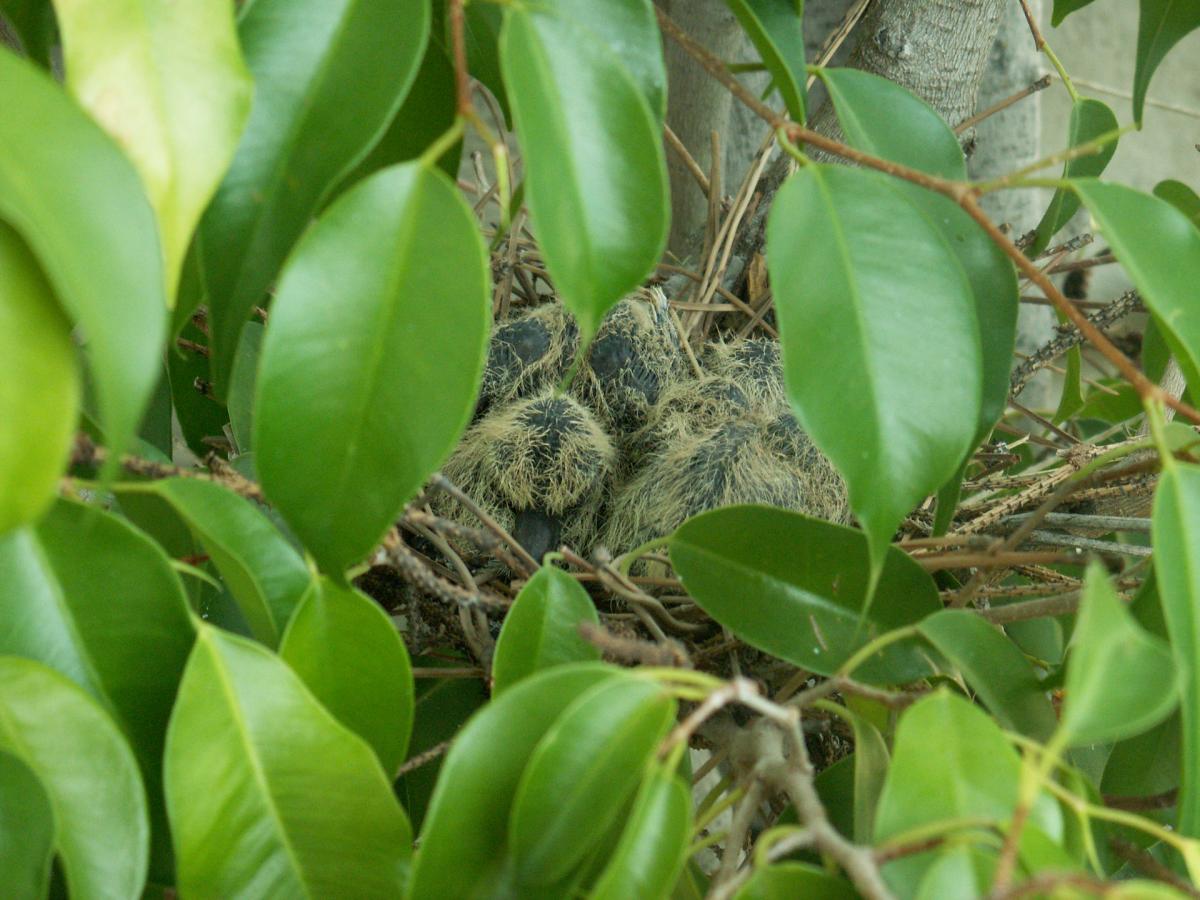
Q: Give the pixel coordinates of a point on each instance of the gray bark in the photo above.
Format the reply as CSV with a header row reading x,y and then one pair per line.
x,y
1008,141
696,106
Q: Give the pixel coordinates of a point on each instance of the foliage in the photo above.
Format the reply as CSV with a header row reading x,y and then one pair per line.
x,y
205,674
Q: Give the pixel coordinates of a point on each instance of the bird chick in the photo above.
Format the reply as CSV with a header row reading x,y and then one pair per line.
x,y
527,354
711,445
754,364
542,467
635,355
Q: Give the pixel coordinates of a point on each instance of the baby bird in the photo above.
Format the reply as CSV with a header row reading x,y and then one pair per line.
x,y
541,467
634,357
719,440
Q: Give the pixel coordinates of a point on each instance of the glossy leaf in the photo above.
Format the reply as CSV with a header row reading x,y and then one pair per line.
x,y
349,654
39,386
1160,251
960,871
784,881
582,773
325,87
777,31
89,595
650,855
33,21
1121,681
464,842
78,204
889,121
1063,8
389,372
971,770
1182,197
1090,119
854,259
26,831
795,587
166,79
541,629
1161,25
993,668
201,417
264,572
596,179
870,760
1176,535
101,832
629,29
268,794
242,382
427,112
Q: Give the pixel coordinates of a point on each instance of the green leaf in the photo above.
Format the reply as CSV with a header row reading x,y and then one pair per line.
x,y
26,832
960,871
870,770
1160,251
325,87
596,179
629,29
389,372
789,880
1090,119
89,595
882,118
201,416
1121,681
995,669
78,204
1161,25
349,654
1182,197
541,628
428,111
796,587
242,382
583,771
853,258
33,21
652,850
88,774
777,31
970,770
1175,537
39,386
1063,8
268,794
1145,765
166,79
464,842
265,574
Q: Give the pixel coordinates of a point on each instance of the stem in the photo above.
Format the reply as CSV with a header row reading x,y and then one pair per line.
x,y
625,563
1043,47
462,78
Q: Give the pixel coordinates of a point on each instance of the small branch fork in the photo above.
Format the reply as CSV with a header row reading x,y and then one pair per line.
x,y
964,194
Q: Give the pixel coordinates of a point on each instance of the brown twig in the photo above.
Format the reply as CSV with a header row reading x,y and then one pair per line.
x,y
462,77
1040,85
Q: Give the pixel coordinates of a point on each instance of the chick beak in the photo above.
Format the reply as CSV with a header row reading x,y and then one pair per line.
x,y
537,532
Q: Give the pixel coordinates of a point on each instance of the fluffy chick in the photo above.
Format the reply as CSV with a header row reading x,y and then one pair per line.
x,y
711,445
527,354
542,467
635,355
754,364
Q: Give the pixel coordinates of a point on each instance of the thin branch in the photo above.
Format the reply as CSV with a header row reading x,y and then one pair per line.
x,y
1040,85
